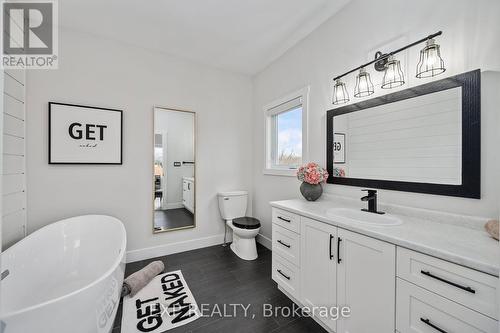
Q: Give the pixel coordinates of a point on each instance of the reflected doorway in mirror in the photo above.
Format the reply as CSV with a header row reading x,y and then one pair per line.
x,y
174,169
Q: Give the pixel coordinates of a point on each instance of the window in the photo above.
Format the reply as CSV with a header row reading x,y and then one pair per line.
x,y
286,139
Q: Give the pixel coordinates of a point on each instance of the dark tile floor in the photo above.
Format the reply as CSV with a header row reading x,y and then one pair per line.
x,y
173,218
216,275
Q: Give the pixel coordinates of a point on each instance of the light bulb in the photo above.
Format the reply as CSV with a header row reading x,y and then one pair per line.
x,y
340,94
430,63
393,76
364,85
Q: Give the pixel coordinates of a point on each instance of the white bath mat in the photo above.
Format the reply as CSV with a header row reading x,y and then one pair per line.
x,y
165,303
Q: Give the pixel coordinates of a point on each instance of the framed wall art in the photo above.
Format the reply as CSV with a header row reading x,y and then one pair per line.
x,y
81,134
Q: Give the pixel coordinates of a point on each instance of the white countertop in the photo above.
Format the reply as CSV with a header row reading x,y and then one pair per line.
x,y
462,245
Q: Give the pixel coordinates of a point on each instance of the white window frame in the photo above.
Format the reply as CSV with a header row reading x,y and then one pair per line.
x,y
271,110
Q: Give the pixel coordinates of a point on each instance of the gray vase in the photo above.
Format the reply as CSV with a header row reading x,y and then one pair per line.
x,y
311,192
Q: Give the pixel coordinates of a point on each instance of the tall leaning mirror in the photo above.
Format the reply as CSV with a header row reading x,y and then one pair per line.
x,y
174,172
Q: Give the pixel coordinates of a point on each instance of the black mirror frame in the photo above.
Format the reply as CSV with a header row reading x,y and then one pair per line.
x,y
471,138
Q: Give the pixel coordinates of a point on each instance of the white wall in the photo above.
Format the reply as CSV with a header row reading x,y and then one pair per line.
x,y
103,73
470,40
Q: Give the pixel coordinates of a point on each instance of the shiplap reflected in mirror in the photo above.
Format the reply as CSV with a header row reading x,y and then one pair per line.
x,y
413,140
174,173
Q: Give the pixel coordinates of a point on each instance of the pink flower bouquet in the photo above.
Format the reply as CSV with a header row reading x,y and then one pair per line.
x,y
312,173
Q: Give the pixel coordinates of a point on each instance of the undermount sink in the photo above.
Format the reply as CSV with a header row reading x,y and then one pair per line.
x,y
364,217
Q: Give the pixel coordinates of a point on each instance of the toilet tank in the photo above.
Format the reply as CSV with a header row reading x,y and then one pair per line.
x,y
232,204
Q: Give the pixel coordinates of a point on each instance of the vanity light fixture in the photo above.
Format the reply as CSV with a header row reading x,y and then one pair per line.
x,y
393,75
340,94
364,85
431,63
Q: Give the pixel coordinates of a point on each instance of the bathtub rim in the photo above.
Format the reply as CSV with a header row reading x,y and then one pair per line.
x,y
108,273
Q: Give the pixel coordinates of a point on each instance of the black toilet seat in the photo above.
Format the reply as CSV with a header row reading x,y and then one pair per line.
x,y
246,222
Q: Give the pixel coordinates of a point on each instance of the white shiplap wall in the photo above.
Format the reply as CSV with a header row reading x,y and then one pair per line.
x,y
416,140
13,158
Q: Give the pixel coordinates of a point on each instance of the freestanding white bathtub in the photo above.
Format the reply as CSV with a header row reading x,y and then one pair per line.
x,y
65,277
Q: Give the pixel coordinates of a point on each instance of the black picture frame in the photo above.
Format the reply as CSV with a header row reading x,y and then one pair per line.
x,y
87,107
470,82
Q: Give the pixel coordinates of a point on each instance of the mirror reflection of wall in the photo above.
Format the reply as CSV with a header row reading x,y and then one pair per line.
x,y
413,140
174,169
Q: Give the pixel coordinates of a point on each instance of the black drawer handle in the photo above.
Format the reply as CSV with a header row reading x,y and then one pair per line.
x,y
284,244
331,254
283,219
469,289
338,250
284,275
428,322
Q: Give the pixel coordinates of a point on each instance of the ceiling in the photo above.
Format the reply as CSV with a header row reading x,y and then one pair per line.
x,y
242,36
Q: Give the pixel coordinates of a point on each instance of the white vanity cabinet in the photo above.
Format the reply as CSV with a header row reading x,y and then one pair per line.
x,y
388,288
318,272
434,295
286,252
188,193
337,268
365,282
422,311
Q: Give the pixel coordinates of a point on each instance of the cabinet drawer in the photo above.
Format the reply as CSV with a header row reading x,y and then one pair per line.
x,y
468,287
421,311
286,219
287,244
286,275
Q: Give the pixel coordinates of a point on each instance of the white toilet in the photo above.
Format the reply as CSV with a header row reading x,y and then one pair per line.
x,y
233,207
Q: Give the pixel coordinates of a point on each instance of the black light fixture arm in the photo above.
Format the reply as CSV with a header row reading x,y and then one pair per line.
x,y
387,55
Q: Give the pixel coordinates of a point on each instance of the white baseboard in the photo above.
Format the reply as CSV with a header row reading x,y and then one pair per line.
x,y
163,250
265,241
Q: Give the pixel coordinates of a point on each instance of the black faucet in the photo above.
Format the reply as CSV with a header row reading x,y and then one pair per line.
x,y
372,202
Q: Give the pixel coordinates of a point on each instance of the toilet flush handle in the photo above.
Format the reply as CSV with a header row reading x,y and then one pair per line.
x,y
226,198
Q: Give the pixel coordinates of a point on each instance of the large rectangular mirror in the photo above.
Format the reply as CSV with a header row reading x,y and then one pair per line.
x,y
174,181
424,139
